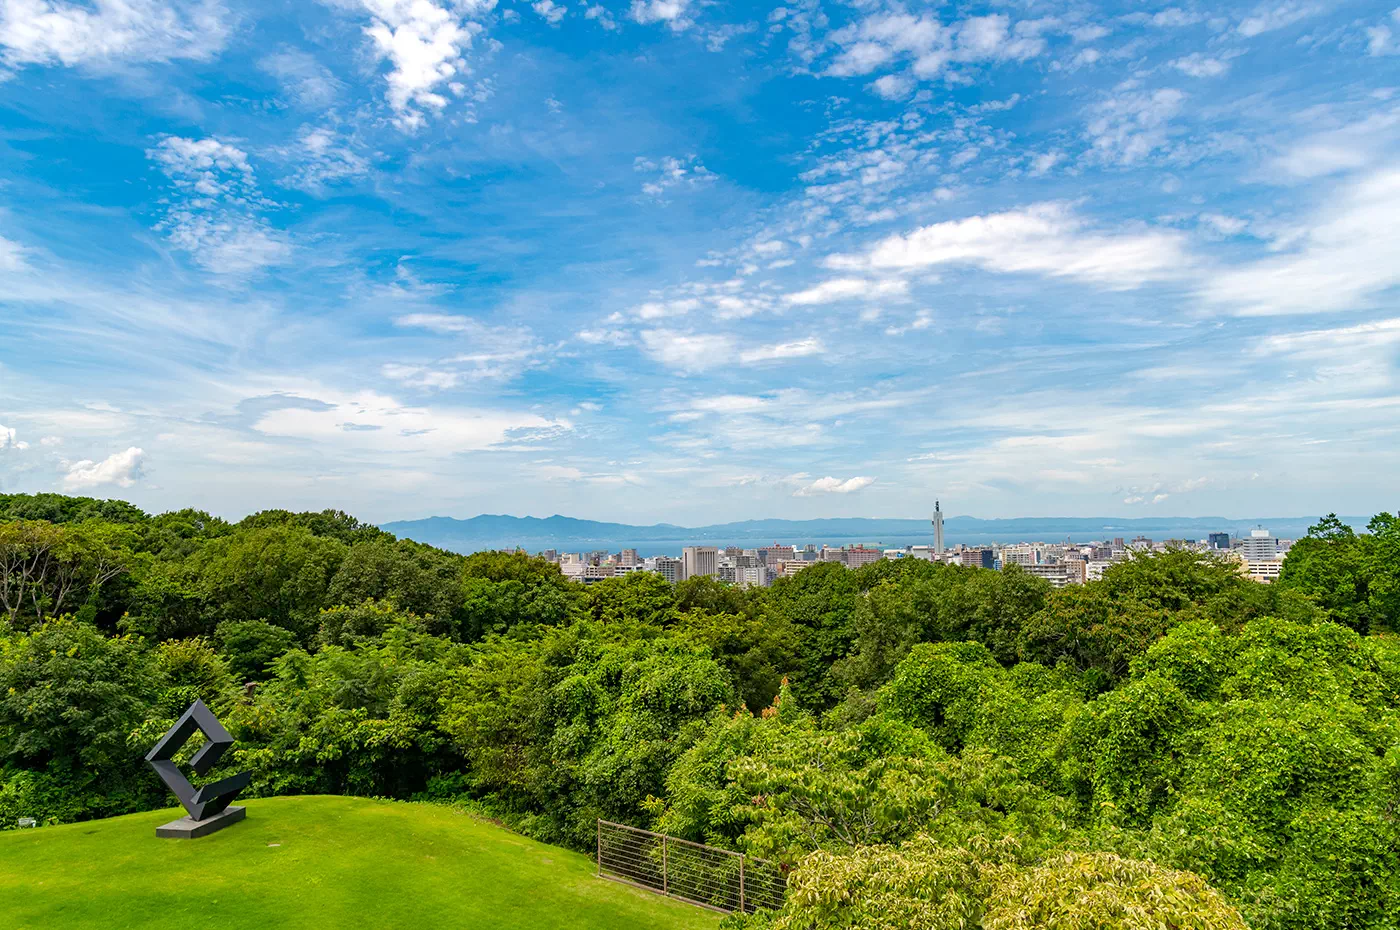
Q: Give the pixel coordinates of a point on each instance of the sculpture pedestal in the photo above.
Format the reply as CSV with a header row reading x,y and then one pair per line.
x,y
187,829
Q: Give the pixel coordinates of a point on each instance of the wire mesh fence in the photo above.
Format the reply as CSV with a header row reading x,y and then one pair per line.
x,y
704,875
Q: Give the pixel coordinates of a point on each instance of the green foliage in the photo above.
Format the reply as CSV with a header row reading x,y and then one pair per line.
x,y
1101,891
250,646
1355,578
280,573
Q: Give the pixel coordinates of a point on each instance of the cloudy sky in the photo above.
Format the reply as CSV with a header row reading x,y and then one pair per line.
x,y
698,261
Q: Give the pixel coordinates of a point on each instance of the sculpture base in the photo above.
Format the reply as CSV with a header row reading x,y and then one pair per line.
x,y
187,829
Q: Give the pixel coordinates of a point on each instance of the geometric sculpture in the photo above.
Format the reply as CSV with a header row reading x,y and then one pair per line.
x,y
208,807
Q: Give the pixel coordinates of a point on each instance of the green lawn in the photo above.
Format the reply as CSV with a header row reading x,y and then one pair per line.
x,y
316,862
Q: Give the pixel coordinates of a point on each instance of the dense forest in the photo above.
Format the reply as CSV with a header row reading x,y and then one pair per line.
x,y
923,745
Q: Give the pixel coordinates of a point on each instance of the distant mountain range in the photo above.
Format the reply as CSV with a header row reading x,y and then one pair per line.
x,y
568,534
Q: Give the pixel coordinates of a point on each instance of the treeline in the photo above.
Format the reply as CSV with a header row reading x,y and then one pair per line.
x,y
924,745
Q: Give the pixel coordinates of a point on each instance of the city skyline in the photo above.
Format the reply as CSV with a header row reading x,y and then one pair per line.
x,y
689,262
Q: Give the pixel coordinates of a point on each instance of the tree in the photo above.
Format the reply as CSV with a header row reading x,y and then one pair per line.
x,y
1329,566
278,573
46,568
1101,891
250,646
67,692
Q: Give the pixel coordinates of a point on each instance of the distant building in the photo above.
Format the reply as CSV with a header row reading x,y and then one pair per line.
x,y
770,555
669,568
1259,545
699,560
979,557
1262,570
550,555
755,576
789,567
1059,574
856,556
938,528
627,557
1019,555
1094,568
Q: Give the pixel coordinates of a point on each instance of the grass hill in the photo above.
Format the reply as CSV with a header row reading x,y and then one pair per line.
x,y
316,862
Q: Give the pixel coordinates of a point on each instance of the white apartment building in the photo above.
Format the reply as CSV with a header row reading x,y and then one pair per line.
x,y
1258,545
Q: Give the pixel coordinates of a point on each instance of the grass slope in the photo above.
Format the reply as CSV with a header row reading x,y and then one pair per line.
x,y
315,862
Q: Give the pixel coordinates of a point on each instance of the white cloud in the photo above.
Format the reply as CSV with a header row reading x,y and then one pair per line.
x,y
1199,66
730,403
797,349
674,13
9,439
892,86
1131,125
1268,17
120,468
688,351
1170,18
215,220
600,13
1381,40
493,353
205,169
369,421
304,79
929,45
425,45
1223,225
11,255
550,11
1045,238
1329,344
829,485
45,32
671,172
322,157
1345,148
837,289
228,245
1042,163
1345,258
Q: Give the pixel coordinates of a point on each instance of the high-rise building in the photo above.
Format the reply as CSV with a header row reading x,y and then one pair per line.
x,y
669,568
981,557
771,555
1219,540
938,529
856,556
1259,545
627,557
699,560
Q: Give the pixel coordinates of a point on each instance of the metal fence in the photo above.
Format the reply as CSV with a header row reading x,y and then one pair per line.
x,y
704,875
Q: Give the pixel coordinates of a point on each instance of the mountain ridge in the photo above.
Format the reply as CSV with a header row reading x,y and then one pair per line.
x,y
493,531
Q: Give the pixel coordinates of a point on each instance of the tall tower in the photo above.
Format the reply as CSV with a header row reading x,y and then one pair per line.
x,y
937,530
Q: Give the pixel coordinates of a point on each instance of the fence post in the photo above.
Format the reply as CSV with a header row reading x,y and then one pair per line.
x,y
665,865
600,847
741,884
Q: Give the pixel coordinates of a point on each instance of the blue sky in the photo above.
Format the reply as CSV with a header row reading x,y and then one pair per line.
x,y
690,261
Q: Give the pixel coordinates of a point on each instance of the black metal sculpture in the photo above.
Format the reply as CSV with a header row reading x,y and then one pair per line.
x,y
208,806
